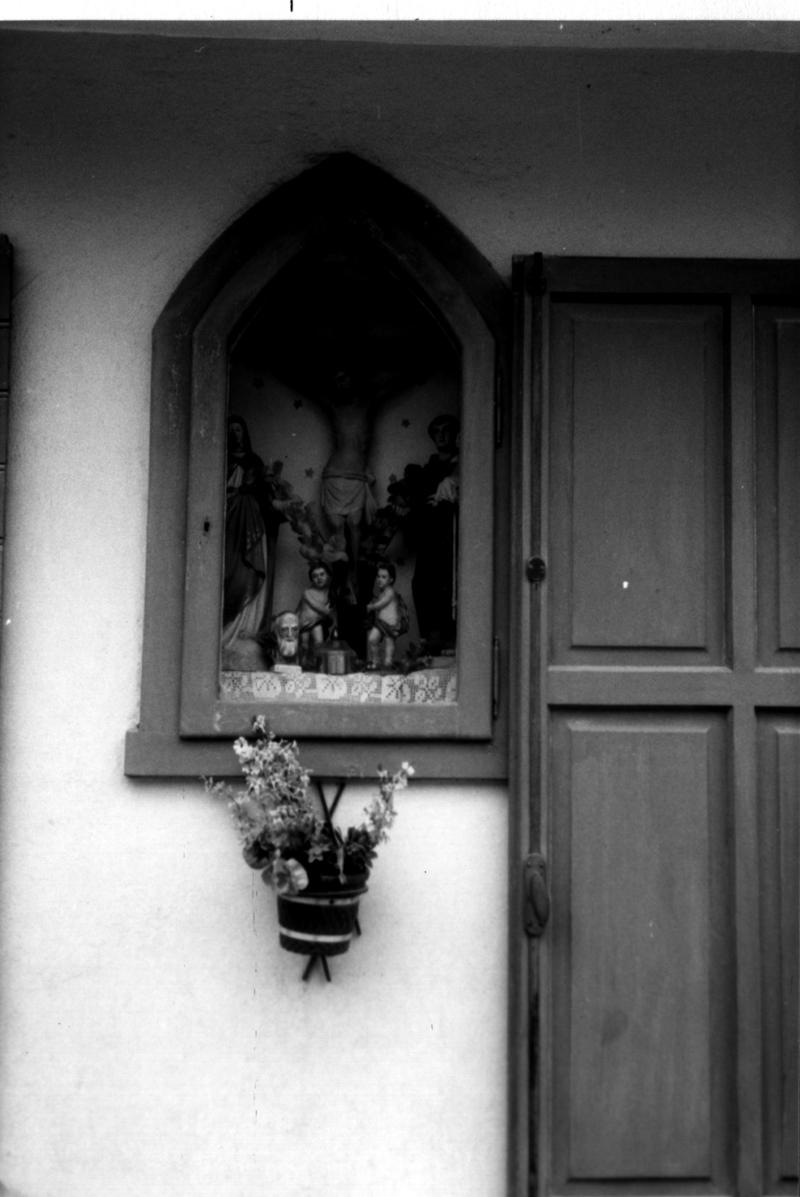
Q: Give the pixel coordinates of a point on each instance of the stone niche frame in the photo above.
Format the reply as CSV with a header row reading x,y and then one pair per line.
x,y
186,723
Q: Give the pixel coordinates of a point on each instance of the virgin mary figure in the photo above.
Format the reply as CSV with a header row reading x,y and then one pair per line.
x,y
249,520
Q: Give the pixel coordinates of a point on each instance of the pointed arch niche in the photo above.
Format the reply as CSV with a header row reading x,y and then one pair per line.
x,y
328,387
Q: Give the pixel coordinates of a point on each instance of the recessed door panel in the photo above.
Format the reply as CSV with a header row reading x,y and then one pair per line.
x,y
643,943
636,460
778,377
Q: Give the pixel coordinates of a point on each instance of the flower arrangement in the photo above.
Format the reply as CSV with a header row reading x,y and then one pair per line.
x,y
281,831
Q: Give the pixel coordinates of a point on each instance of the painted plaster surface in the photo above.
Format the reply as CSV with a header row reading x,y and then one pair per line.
x,y
156,1040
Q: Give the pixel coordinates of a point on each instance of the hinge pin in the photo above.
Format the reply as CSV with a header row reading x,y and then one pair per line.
x,y
535,570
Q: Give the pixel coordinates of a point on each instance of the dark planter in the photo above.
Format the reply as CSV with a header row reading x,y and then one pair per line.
x,y
320,922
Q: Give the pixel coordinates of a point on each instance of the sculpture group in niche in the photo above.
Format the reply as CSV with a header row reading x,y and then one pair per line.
x,y
352,547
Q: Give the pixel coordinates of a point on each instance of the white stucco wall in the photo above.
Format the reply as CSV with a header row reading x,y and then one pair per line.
x,y
156,1041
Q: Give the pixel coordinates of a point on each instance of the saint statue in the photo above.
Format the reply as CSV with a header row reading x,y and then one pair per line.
x,y
250,532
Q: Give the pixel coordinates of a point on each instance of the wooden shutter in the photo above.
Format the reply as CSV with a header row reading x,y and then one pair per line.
x,y
663,737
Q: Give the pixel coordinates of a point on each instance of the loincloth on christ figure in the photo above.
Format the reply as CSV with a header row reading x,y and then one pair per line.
x,y
344,495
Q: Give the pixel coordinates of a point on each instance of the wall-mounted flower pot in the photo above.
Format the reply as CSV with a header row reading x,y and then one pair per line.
x,y
319,922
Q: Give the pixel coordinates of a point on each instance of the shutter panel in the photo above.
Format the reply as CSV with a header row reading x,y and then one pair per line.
x,y
666,801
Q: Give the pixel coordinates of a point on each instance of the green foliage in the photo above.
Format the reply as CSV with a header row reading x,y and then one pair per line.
x,y
280,828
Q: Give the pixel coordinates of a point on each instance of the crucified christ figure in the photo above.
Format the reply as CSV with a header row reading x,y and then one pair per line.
x,y
347,497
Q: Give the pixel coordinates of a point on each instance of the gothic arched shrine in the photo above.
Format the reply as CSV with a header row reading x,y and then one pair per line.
x,y
332,370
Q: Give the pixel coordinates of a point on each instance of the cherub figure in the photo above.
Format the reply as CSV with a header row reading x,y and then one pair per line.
x,y
389,618
314,609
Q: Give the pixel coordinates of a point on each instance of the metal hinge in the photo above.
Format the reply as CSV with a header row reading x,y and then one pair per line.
x,y
536,570
537,895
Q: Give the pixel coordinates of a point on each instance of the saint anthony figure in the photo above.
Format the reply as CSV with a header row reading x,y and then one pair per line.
x,y
432,529
250,532
286,640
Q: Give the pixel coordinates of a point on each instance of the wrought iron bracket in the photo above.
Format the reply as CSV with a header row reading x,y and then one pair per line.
x,y
328,810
